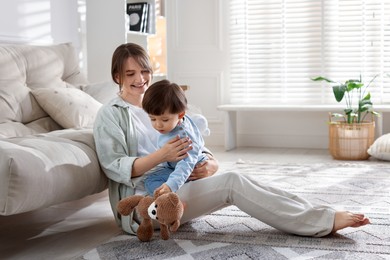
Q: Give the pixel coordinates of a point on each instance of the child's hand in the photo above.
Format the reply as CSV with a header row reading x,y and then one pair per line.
x,y
162,190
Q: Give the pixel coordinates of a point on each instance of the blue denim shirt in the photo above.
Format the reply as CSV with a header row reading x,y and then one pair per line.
x,y
184,167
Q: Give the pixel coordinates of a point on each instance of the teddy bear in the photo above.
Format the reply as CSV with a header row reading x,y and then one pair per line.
x,y
202,124
167,209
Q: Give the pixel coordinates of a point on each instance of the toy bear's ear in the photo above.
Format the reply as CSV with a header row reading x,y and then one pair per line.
x,y
202,124
173,198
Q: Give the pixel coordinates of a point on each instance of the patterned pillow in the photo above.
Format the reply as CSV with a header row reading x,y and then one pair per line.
x,y
69,107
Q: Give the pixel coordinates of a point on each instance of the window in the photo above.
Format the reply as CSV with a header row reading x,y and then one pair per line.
x,y
276,46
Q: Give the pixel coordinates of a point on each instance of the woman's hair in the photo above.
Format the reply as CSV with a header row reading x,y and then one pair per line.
x,y
120,56
164,96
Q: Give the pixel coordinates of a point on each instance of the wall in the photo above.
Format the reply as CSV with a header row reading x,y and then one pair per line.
x,y
40,22
198,56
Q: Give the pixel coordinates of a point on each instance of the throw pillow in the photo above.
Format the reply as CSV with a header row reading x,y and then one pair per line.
x,y
380,149
102,92
69,107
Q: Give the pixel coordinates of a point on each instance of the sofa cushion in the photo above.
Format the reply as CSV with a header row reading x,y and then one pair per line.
x,y
27,67
48,169
69,107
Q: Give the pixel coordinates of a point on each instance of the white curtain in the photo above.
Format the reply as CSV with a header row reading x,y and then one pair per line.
x,y
276,46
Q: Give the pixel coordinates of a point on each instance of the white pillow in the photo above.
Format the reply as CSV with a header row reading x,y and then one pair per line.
x,y
69,107
380,149
102,92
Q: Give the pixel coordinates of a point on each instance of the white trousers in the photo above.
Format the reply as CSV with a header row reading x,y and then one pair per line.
x,y
280,209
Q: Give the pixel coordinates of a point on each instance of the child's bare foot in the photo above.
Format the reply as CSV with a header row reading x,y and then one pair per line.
x,y
345,219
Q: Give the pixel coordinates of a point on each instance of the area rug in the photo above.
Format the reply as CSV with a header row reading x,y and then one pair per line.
x,y
231,234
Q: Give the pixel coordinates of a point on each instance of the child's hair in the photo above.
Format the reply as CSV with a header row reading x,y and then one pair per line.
x,y
164,96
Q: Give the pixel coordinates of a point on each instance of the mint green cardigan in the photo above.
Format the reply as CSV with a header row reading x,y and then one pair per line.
x,y
116,146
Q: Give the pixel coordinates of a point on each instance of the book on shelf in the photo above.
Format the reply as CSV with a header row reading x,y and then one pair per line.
x,y
138,16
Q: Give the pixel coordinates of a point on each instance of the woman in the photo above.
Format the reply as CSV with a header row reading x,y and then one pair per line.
x,y
126,145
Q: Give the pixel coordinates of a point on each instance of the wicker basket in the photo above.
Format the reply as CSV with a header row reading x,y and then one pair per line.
x,y
351,141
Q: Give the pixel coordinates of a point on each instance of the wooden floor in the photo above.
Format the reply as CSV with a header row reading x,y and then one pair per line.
x,y
68,230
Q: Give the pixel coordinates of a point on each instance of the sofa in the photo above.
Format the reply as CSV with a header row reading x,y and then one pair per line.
x,y
47,110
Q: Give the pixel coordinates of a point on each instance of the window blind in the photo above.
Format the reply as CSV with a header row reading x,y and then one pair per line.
x,y
276,46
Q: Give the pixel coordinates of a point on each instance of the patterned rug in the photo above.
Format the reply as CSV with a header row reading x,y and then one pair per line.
x,y
232,234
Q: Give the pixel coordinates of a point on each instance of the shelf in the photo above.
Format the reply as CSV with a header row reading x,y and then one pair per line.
x,y
138,33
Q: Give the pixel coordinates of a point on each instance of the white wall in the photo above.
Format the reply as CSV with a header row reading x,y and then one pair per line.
x,y
40,22
106,30
197,56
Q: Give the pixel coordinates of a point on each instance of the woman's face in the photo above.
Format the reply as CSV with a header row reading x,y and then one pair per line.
x,y
135,79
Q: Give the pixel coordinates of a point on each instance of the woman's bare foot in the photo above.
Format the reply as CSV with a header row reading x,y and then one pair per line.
x,y
344,219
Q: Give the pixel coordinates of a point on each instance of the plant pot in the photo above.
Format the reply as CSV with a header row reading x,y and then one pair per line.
x,y
351,141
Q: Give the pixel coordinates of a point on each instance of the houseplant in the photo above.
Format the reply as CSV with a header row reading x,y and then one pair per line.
x,y
350,138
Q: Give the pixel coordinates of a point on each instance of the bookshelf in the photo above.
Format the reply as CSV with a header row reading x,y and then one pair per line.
x,y
107,26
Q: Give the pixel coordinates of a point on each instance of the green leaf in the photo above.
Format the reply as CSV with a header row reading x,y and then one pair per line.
x,y
353,80
365,102
365,108
353,111
348,111
320,78
353,84
339,92
367,97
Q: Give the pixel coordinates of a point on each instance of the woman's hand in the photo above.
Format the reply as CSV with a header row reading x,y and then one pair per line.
x,y
204,169
173,151
176,149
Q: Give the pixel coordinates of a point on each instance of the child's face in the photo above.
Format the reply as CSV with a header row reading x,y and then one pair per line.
x,y
165,122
